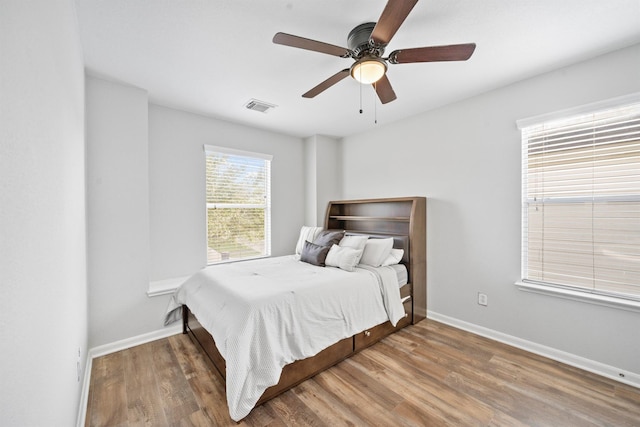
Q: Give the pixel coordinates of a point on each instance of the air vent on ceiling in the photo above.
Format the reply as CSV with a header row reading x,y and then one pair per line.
x,y
260,106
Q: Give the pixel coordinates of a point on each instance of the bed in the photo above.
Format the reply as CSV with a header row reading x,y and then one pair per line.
x,y
290,319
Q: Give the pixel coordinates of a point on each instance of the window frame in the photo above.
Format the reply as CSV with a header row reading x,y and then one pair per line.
x,y
268,158
558,290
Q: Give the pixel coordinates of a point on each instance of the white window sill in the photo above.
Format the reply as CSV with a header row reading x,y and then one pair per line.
x,y
168,286
231,261
165,287
619,303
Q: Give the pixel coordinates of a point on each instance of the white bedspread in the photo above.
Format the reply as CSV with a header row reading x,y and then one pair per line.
x,y
267,313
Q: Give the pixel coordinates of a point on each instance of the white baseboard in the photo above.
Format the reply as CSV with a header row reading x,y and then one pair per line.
x,y
84,393
620,375
112,348
124,344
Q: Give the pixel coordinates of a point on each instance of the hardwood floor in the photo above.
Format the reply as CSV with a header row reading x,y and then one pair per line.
x,y
428,374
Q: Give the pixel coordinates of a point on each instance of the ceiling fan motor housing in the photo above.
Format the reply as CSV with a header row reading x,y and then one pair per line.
x,y
359,41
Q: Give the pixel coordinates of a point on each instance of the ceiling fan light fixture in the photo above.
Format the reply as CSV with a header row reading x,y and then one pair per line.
x,y
368,69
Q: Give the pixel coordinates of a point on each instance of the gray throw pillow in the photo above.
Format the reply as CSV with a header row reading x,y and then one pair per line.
x,y
329,237
314,254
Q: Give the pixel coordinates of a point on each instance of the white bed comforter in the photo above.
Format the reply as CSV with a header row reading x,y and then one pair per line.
x,y
267,313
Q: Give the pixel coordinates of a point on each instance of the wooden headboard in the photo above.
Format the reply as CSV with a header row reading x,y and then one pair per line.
x,y
404,219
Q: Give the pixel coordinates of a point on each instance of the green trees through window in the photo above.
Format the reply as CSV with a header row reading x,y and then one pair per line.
x,y
238,204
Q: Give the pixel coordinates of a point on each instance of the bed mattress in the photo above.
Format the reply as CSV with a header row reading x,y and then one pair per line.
x,y
264,314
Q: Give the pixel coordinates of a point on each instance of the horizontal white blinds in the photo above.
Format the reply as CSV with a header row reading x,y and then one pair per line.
x,y
581,202
238,205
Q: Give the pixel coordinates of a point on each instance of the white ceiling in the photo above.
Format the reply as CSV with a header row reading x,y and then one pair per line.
x,y
212,56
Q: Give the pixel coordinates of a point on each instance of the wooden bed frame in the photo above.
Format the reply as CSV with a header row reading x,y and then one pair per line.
x,y
402,218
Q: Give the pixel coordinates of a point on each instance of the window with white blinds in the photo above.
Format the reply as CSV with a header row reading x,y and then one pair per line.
x,y
581,203
238,197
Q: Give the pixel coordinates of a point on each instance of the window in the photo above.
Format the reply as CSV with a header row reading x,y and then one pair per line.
x,y
238,197
581,203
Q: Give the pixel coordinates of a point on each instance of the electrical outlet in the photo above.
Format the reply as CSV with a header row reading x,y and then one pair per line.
x,y
482,299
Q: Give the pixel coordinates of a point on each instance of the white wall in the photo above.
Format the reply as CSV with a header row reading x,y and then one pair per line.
x,y
328,174
323,176
43,308
118,214
310,182
146,211
466,159
177,186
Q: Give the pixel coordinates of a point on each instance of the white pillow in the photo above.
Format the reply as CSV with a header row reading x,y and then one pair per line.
x,y
395,256
343,257
355,242
376,251
306,233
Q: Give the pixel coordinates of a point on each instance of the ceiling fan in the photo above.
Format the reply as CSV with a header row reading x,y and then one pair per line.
x,y
366,46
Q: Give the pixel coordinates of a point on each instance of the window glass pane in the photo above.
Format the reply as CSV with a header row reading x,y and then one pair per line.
x,y
235,233
238,206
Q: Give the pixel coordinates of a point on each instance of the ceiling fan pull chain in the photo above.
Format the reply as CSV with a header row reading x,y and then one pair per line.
x,y
360,91
375,104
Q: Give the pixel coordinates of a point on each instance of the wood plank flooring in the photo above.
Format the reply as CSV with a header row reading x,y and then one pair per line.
x,y
428,374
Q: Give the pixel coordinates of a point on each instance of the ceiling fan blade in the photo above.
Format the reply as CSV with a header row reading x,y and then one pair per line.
x,y
384,90
393,15
327,83
308,44
454,52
